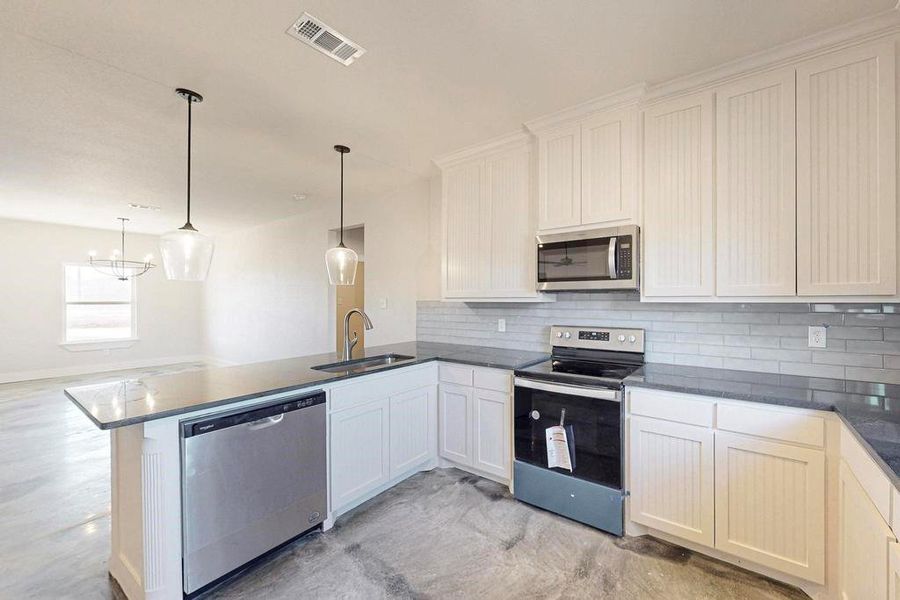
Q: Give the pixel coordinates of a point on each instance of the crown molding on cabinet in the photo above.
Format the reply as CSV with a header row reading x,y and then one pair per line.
x,y
620,98
855,33
498,144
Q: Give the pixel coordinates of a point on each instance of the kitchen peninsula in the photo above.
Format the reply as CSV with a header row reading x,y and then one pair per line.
x,y
399,398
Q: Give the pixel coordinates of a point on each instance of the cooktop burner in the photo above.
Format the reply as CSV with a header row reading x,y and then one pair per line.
x,y
590,356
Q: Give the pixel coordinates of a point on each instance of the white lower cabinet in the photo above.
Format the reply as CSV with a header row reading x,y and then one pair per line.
x,y
455,423
413,428
867,570
770,504
381,428
475,419
360,447
492,449
672,478
894,571
749,497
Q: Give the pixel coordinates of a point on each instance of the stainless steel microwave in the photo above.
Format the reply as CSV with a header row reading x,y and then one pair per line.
x,y
596,259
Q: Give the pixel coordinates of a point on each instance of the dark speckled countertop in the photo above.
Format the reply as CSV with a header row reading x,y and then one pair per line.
x,y
871,410
111,405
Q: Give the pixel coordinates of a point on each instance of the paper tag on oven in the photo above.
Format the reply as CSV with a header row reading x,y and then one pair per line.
x,y
558,448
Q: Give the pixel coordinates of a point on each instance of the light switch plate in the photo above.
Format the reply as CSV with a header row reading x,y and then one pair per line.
x,y
501,325
383,303
817,337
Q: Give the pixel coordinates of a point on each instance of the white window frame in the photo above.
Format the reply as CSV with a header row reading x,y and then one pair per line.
x,y
81,345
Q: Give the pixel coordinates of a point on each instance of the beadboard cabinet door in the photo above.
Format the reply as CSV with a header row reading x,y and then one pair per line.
x,y
672,481
455,410
609,167
360,451
466,270
559,176
512,248
770,504
846,182
492,432
755,186
678,244
864,541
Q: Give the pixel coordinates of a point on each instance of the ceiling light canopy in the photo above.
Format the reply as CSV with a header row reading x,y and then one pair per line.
x,y
187,253
341,261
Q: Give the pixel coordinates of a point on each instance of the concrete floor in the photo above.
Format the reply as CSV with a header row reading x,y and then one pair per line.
x,y
443,534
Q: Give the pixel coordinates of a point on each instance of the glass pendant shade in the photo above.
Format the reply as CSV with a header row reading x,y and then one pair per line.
x,y
186,254
341,264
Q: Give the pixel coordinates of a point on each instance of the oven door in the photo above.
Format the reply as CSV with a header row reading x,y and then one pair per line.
x,y
593,423
596,259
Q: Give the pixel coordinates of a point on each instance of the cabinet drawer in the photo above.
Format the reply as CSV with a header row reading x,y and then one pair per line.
x,y
671,407
492,379
379,385
458,374
775,424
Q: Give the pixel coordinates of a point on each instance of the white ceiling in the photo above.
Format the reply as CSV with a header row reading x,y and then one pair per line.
x,y
89,121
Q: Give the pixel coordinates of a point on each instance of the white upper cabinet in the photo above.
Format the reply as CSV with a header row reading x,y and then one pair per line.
x,y
846,186
559,177
609,167
678,197
587,171
466,231
755,193
488,249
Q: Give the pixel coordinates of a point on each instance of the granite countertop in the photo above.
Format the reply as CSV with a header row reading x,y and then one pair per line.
x,y
871,410
111,405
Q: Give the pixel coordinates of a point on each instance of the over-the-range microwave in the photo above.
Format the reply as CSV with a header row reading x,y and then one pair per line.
x,y
596,259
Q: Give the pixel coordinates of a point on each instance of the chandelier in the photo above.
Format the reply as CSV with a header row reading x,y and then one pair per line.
x,y
117,266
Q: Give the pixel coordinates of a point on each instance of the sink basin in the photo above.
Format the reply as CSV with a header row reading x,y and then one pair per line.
x,y
362,364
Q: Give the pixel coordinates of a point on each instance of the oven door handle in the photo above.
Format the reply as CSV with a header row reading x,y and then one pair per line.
x,y
571,390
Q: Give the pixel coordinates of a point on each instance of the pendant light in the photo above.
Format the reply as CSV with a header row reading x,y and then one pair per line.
x,y
187,253
118,266
341,261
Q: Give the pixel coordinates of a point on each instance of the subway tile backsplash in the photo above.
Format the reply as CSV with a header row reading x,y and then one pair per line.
x,y
863,339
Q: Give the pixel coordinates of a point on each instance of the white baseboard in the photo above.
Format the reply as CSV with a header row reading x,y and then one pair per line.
x,y
15,376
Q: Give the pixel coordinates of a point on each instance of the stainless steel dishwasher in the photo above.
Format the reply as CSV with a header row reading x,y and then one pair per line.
x,y
251,480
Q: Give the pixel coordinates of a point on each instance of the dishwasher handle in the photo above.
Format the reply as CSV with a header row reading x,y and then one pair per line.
x,y
258,417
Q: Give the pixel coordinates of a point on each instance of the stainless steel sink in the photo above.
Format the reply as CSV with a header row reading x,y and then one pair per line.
x,y
363,364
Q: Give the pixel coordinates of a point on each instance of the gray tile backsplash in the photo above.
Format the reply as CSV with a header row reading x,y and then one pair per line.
x,y
863,339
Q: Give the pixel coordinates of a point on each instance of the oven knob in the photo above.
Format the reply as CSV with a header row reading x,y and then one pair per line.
x,y
559,334
567,335
535,415
632,339
621,338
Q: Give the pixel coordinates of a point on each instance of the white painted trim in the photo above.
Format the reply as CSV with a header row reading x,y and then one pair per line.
x,y
850,34
89,345
502,143
618,99
16,376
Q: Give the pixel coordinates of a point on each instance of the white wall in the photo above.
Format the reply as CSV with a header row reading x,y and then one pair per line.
x,y
268,296
31,304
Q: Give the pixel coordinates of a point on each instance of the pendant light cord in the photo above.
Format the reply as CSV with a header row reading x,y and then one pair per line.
x,y
123,236
188,224
342,199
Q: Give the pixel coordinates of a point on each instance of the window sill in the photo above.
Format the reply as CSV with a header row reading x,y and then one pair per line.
x,y
88,345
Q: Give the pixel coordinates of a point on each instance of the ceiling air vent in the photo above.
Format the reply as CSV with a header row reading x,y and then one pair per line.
x,y
313,32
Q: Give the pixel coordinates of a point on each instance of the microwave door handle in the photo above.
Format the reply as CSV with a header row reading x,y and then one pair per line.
x,y
611,257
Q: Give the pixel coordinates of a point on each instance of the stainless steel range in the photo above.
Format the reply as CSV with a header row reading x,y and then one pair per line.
x,y
568,424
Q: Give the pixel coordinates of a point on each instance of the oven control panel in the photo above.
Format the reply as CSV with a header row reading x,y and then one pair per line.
x,y
597,338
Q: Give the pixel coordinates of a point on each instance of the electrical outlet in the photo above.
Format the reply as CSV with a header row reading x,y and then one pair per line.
x,y
817,337
501,325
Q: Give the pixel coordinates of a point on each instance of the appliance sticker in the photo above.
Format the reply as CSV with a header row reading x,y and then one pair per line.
x,y
558,445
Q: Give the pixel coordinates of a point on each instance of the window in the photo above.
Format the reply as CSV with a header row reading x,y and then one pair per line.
x,y
99,307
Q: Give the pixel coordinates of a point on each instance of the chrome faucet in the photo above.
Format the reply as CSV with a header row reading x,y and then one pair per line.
x,y
348,343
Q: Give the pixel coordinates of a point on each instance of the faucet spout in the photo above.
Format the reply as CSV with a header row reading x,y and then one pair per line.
x,y
348,342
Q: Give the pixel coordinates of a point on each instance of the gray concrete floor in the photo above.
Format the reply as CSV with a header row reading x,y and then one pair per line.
x,y
443,534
